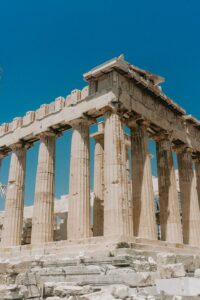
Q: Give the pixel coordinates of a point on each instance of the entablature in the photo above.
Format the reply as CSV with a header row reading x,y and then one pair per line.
x,y
113,85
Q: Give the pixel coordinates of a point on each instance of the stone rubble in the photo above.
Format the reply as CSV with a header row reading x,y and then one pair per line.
x,y
120,274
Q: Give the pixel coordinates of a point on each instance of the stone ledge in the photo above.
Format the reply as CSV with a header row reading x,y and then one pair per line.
x,y
109,244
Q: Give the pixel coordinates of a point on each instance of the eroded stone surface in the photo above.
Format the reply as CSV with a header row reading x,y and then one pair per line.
x,y
98,277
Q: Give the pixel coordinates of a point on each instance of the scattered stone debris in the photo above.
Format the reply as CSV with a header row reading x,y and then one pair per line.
x,y
126,274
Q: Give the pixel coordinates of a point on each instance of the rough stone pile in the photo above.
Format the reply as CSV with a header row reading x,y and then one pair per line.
x,y
118,274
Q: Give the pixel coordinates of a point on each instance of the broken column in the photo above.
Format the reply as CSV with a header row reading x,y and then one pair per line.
x,y
13,217
116,210
144,222
43,211
98,206
189,198
170,219
79,204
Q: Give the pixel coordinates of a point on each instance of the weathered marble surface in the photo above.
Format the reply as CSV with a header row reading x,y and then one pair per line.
x,y
126,274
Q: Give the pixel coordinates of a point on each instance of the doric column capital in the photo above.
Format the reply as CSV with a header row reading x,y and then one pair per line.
x,y
134,122
131,123
140,129
109,112
20,145
183,148
81,121
162,136
196,157
17,146
48,134
117,111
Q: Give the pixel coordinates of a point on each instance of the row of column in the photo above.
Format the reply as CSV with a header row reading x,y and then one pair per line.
x,y
116,211
135,215
43,213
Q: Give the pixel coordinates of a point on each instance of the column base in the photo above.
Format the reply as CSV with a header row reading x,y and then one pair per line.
x,y
98,244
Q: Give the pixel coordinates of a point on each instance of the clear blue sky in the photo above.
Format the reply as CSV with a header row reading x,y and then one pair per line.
x,y
46,46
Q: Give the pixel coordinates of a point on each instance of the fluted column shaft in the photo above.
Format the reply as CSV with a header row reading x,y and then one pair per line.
x,y
116,210
79,204
43,211
144,222
170,219
98,208
13,217
129,183
189,200
197,172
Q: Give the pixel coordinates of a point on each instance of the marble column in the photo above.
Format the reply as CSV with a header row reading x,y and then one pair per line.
x,y
98,206
43,211
116,209
3,186
170,219
144,222
79,204
189,199
129,182
197,172
13,217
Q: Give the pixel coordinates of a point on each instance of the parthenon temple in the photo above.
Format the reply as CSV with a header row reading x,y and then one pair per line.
x,y
121,96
